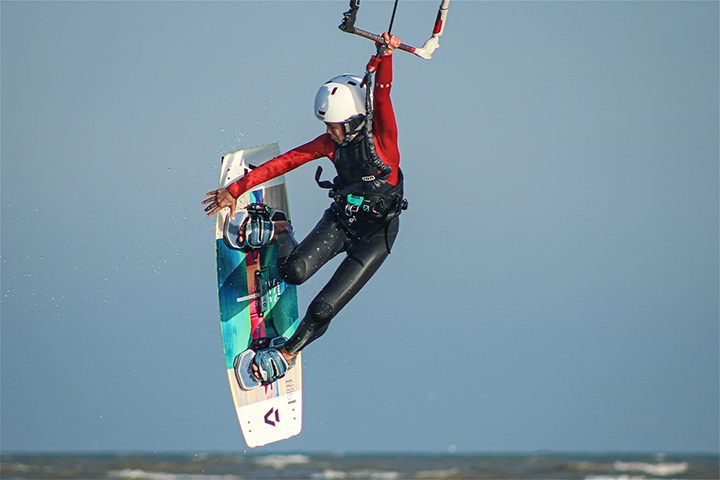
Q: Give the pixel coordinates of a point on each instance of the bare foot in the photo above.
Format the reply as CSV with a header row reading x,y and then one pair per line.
x,y
282,226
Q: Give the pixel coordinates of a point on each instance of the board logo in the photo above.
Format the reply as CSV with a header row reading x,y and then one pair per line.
x,y
269,414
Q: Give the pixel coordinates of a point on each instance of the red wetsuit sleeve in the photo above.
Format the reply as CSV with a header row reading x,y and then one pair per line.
x,y
322,146
384,123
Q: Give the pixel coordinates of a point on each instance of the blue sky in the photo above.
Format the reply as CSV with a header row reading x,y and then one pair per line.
x,y
554,285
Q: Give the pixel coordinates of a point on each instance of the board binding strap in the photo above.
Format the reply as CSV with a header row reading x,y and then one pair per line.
x,y
243,362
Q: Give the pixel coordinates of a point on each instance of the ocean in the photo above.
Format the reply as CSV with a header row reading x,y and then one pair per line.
x,y
301,466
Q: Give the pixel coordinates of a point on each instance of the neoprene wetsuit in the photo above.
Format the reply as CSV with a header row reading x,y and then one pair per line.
x,y
362,222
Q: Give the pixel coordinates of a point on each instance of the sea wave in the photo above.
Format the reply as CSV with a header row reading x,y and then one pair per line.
x,y
437,474
16,467
137,474
355,474
327,473
355,467
620,477
278,462
659,469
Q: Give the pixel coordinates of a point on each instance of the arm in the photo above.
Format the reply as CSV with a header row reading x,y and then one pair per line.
x,y
226,197
384,122
282,164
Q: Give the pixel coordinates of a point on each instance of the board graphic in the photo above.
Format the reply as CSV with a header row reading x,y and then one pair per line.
x,y
256,303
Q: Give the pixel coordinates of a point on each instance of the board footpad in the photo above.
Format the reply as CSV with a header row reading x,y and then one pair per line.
x,y
243,362
231,228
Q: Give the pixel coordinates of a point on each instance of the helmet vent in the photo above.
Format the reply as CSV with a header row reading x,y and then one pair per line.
x,y
340,99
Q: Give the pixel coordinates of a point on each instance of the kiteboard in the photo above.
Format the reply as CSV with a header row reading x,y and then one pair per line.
x,y
256,307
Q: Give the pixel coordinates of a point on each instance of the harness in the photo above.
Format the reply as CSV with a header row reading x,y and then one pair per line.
x,y
352,202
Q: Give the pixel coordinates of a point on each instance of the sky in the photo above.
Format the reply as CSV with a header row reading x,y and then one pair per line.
x,y
554,286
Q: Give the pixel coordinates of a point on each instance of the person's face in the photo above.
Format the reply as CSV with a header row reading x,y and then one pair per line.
x,y
336,132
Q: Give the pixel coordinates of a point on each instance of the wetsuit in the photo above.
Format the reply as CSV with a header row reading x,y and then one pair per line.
x,y
362,220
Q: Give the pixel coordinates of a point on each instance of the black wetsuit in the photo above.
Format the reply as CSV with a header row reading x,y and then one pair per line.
x,y
365,231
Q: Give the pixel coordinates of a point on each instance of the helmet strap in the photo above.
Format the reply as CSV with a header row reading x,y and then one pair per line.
x,y
354,125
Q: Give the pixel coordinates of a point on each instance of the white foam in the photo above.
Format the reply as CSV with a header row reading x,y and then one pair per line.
x,y
389,475
620,477
438,473
137,474
659,469
330,474
279,462
364,473
16,467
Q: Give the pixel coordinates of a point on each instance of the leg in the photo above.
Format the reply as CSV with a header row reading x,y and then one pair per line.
x,y
364,259
297,263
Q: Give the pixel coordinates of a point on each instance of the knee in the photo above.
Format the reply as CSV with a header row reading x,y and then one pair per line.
x,y
320,313
293,270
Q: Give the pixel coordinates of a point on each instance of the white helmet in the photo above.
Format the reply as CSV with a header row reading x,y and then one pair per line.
x,y
340,99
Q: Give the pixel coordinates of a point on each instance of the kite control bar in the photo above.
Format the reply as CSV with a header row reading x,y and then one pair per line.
x,y
426,51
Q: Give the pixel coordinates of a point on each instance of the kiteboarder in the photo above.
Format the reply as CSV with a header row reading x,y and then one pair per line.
x,y
367,193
